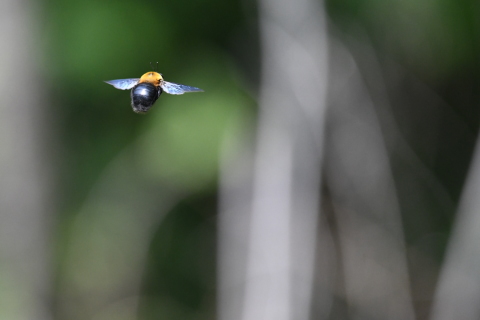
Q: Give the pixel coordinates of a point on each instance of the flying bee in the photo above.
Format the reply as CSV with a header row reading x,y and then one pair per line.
x,y
147,89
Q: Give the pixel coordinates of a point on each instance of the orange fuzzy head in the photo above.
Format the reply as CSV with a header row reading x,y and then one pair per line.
x,y
151,77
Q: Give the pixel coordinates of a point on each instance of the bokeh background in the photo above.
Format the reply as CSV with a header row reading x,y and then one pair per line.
x,y
328,171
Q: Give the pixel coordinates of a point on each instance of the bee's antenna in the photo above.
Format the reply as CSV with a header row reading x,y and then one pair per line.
x,y
157,67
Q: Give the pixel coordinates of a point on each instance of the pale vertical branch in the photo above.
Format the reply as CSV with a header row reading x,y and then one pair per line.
x,y
363,194
458,291
280,239
25,180
233,226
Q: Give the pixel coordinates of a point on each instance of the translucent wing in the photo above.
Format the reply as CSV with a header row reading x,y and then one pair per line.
x,y
123,84
175,88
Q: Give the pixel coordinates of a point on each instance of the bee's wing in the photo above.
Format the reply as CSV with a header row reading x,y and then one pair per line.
x,y
175,88
123,84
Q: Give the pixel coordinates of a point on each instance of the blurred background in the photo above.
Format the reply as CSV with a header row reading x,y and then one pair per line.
x,y
328,171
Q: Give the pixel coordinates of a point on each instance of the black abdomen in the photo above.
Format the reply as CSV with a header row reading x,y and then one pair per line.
x,y
144,96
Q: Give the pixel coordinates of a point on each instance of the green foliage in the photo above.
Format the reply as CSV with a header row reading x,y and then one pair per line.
x,y
432,38
120,169
136,201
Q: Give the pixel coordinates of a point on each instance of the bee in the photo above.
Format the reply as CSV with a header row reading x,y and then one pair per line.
x,y
148,88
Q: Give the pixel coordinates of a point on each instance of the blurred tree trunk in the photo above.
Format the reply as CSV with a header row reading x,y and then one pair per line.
x,y
25,182
368,225
458,290
268,257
